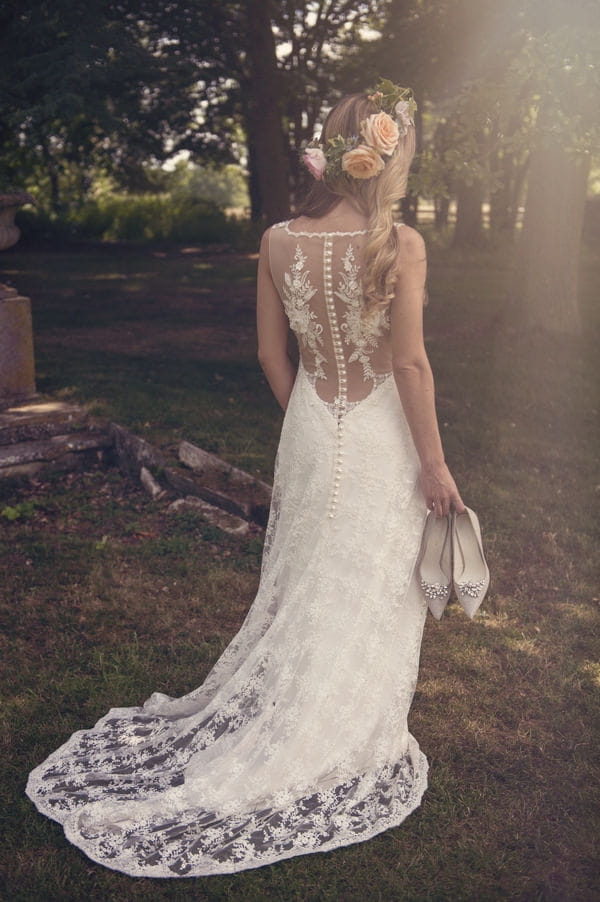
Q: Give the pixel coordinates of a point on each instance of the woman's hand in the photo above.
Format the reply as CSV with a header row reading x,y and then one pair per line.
x,y
439,488
413,376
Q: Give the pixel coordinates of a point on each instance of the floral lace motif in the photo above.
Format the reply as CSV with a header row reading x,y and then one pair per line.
x,y
361,333
297,292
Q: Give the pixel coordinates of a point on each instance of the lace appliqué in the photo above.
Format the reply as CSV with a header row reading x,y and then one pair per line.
x,y
361,333
297,291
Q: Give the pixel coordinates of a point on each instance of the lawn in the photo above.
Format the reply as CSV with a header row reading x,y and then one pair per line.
x,y
105,597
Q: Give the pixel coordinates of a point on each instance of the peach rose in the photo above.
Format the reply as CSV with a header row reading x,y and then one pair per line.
x,y
362,163
381,132
314,160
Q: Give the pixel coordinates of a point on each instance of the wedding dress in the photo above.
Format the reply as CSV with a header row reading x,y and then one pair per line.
x,y
297,741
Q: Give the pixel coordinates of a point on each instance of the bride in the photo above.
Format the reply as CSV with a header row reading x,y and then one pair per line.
x,y
297,741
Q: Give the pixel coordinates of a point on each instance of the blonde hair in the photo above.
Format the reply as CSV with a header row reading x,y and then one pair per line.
x,y
374,197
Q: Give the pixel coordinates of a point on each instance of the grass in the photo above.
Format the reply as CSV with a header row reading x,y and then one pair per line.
x,y
106,597
177,329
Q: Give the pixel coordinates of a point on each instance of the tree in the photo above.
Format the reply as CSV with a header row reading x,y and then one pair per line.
x,y
457,55
121,84
275,62
88,85
561,64
321,56
261,103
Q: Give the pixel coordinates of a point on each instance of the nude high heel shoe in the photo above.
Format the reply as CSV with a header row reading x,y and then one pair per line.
x,y
434,564
470,573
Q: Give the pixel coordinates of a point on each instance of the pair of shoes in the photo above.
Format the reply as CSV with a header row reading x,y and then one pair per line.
x,y
452,555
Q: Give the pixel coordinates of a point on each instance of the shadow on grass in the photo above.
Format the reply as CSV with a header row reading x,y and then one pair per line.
x,y
223,406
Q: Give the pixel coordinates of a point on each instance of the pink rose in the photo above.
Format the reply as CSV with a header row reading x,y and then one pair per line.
x,y
314,160
362,163
402,112
381,132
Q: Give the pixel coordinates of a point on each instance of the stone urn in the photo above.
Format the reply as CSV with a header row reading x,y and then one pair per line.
x,y
17,370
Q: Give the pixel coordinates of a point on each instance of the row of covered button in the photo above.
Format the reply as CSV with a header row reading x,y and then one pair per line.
x,y
341,398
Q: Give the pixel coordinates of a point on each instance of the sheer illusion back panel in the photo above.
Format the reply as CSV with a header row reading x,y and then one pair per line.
x,y
319,278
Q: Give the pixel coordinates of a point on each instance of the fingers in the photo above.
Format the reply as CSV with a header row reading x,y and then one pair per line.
x,y
444,504
441,493
458,504
440,507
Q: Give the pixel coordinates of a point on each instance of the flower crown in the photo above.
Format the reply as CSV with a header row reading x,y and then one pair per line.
x,y
364,156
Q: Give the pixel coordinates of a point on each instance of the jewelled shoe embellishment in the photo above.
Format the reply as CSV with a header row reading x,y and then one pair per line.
x,y
434,590
471,589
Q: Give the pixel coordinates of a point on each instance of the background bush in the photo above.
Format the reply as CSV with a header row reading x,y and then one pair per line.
x,y
139,218
190,204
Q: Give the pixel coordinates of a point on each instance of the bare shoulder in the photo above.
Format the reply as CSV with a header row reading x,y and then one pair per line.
x,y
264,241
411,246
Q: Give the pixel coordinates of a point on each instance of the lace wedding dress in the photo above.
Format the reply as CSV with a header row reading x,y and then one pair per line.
x,y
297,741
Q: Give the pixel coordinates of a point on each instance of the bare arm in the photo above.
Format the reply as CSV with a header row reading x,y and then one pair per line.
x,y
413,375
272,327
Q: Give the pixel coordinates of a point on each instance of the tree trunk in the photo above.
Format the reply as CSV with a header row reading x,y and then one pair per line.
x,y
409,206
52,170
54,190
501,218
441,206
253,186
504,202
518,190
264,125
546,279
469,226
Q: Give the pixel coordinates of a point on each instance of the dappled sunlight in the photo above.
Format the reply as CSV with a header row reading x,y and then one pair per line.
x,y
495,621
580,615
39,407
591,671
529,645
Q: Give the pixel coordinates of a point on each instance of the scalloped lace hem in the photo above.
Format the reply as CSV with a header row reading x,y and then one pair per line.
x,y
239,852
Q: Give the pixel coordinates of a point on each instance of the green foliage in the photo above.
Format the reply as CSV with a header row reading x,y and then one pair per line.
x,y
145,217
118,87
188,204
88,85
561,69
222,186
20,511
492,80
